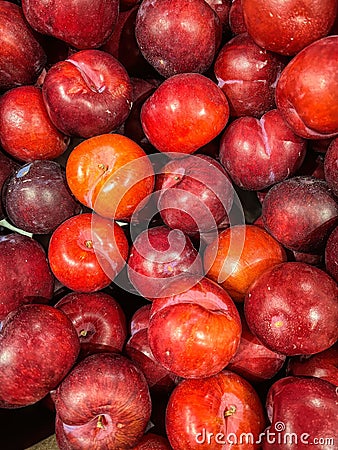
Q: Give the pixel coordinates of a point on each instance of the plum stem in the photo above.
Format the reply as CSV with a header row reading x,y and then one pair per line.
x,y
100,423
103,167
229,412
89,244
11,227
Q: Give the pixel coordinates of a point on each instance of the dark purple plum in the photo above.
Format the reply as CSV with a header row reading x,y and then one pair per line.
x,y
178,36
7,168
24,273
300,213
331,254
331,166
37,198
292,308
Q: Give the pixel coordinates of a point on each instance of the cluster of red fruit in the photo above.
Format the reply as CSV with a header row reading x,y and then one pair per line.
x,y
169,179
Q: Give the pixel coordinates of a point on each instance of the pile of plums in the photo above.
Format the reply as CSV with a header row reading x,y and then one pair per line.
x,y
169,222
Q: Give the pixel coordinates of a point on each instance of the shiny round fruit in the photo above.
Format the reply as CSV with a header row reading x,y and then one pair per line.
x,y
300,213
307,91
195,331
87,251
87,94
111,174
26,131
22,58
37,198
209,413
178,36
239,255
292,308
288,26
191,106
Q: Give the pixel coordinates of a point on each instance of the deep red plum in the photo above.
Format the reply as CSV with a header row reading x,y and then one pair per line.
x,y
178,36
292,308
258,153
300,213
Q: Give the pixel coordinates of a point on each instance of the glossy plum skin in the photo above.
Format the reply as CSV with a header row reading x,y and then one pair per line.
x,y
247,74
26,131
87,94
159,254
87,251
122,44
37,198
30,366
151,441
258,153
83,24
7,168
98,319
253,360
307,91
111,174
298,404
140,319
159,379
222,404
331,254
107,411
18,43
322,365
331,166
289,26
286,214
195,195
178,36
292,308
222,9
192,106
24,273
251,248
236,17
194,332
